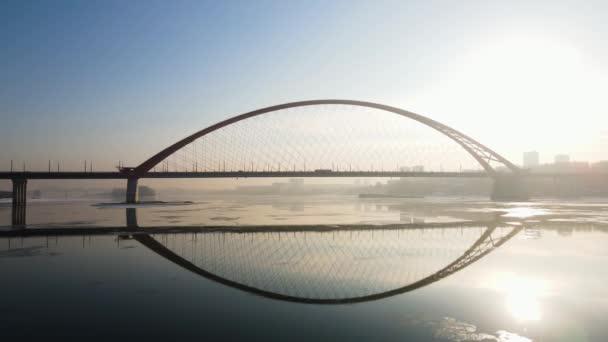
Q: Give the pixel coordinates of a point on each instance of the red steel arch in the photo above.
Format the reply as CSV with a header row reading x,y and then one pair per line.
x,y
481,153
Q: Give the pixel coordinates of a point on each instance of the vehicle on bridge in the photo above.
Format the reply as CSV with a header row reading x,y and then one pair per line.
x,y
125,169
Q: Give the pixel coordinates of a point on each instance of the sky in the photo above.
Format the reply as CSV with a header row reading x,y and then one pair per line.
x,y
121,80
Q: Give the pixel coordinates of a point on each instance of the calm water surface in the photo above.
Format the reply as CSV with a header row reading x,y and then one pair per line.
x,y
308,268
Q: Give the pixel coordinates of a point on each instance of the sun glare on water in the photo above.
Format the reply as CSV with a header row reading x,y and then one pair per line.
x,y
524,212
522,295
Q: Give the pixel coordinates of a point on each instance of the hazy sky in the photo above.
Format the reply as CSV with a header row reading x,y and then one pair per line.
x,y
110,80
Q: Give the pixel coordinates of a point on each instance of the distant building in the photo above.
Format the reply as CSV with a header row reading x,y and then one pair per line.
x,y
418,168
601,166
578,167
405,169
562,158
531,159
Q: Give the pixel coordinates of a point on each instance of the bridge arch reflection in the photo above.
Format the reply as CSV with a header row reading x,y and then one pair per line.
x,y
324,265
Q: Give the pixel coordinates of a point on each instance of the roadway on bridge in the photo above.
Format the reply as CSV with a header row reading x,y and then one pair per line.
x,y
275,174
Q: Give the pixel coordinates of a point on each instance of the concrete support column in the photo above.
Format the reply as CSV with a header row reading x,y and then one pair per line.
x,y
510,188
132,218
19,201
19,191
132,191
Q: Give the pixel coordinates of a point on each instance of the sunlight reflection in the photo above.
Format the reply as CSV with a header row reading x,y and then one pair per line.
x,y
523,306
451,329
522,295
524,212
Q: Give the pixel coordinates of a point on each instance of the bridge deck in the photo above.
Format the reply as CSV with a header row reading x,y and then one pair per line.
x,y
277,174
236,174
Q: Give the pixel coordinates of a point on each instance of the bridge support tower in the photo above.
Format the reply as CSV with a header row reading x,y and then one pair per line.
x,y
19,201
132,190
510,188
131,215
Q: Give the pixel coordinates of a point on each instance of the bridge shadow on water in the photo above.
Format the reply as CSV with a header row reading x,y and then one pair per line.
x,y
314,264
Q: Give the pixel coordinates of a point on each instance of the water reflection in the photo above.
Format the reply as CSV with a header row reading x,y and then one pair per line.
x,y
335,267
521,292
319,263
242,211
522,295
327,264
451,329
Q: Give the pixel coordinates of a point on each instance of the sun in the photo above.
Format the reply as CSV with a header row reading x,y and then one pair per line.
x,y
529,88
529,70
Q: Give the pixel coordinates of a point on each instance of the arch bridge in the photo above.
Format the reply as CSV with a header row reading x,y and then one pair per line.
x,y
317,138
287,155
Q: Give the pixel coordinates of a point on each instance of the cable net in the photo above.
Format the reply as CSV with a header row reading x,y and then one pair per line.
x,y
333,137
334,265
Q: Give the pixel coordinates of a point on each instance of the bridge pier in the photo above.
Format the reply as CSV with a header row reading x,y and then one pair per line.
x,y
510,188
19,201
131,215
132,190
